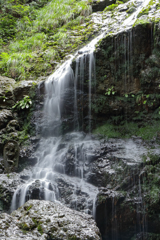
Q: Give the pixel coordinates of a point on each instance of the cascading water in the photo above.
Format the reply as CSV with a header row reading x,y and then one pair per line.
x,y
63,156
62,159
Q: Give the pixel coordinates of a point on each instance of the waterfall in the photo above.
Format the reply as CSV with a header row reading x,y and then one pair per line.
x,y
64,157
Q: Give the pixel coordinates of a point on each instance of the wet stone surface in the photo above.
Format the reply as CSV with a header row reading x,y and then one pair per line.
x,y
46,220
11,156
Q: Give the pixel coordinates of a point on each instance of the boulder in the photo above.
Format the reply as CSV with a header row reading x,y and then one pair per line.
x,y
47,220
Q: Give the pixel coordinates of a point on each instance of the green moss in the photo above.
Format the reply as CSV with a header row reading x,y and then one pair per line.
x,y
101,198
24,226
143,22
107,130
129,129
146,10
35,221
111,7
29,207
153,158
73,238
40,229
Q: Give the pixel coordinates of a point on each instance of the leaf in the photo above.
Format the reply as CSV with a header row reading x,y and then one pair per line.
x,y
132,95
144,101
109,92
126,95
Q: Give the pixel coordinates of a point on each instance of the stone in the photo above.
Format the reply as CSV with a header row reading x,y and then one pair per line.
x,y
100,5
47,220
6,92
11,156
12,126
5,117
23,88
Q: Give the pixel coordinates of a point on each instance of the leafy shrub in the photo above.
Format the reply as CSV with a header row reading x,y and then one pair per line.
x,y
24,103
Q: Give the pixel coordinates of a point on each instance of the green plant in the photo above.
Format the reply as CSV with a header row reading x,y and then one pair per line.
x,y
4,98
29,207
40,229
110,91
24,103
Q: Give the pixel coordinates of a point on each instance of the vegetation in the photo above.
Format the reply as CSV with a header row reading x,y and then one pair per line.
x,y
24,103
128,129
34,35
145,10
111,7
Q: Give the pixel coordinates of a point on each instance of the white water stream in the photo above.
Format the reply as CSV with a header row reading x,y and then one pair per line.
x,y
54,149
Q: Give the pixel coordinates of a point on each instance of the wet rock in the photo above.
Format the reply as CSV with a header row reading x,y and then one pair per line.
x,y
12,126
5,117
23,88
8,184
11,156
100,5
46,220
6,92
70,165
147,236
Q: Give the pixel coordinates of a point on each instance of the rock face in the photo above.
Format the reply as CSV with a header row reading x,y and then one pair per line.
x,y
6,92
100,5
127,73
8,184
129,208
13,121
46,220
5,116
11,156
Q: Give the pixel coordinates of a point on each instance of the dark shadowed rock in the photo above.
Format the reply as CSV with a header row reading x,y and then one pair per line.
x,y
100,5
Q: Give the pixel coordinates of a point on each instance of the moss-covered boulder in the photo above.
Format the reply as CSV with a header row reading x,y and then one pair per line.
x,y
47,220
